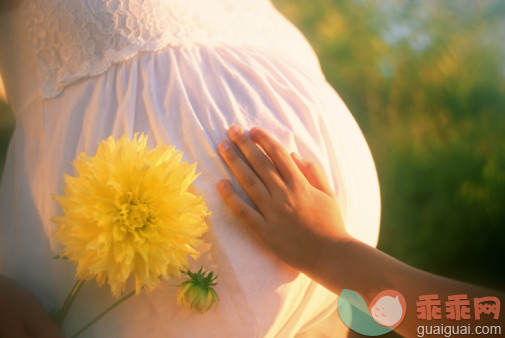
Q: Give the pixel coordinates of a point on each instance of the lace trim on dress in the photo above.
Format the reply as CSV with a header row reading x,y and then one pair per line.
x,y
73,39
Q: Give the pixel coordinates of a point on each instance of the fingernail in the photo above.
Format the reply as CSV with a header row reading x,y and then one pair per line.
x,y
221,184
234,130
223,146
254,132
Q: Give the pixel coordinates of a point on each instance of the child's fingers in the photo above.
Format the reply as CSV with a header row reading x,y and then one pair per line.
x,y
251,217
313,174
279,156
261,165
251,183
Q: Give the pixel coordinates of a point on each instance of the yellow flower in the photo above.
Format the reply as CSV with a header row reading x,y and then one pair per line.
x,y
129,213
196,293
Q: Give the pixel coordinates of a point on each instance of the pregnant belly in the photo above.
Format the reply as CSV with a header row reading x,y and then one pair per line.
x,y
187,97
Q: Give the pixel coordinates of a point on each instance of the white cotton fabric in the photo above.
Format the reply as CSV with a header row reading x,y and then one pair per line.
x,y
186,92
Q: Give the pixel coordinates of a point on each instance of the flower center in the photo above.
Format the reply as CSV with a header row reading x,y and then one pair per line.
x,y
134,216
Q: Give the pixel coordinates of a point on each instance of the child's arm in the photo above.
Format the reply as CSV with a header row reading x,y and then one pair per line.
x,y
298,219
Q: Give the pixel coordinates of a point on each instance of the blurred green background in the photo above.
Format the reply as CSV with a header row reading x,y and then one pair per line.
x,y
426,82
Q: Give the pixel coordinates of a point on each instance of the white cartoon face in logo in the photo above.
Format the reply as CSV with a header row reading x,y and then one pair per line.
x,y
388,308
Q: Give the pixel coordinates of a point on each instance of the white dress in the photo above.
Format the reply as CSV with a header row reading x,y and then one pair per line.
x,y
181,71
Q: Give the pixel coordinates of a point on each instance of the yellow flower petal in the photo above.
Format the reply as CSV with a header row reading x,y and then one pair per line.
x,y
128,212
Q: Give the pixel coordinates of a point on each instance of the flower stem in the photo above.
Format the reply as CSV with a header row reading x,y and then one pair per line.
x,y
104,312
62,313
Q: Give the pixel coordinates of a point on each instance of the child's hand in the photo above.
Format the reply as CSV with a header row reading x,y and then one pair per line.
x,y
297,211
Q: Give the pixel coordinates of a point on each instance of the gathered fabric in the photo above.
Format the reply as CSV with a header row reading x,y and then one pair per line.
x,y
181,72
72,39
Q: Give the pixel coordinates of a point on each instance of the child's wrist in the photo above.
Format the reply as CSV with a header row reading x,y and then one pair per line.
x,y
332,254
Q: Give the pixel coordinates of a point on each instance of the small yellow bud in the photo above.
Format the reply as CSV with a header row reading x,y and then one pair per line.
x,y
197,293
